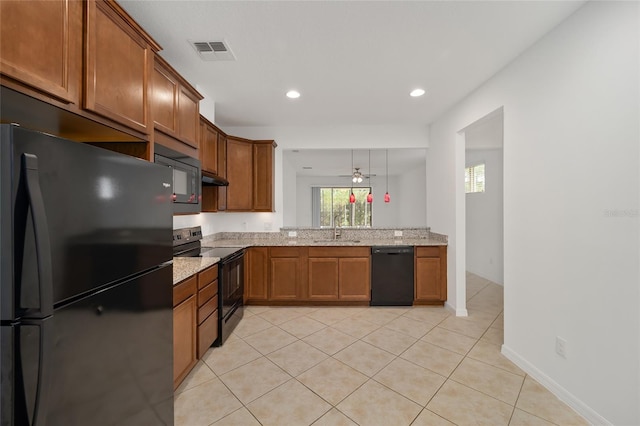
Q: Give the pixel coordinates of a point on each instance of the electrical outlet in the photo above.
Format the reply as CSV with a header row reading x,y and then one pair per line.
x,y
561,347
397,233
293,234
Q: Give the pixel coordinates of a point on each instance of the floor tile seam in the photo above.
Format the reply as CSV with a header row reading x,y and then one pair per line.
x,y
394,358
459,332
235,368
407,334
275,350
234,411
244,365
345,397
427,368
442,347
176,393
434,413
538,416
495,366
282,322
483,393
393,390
282,384
236,397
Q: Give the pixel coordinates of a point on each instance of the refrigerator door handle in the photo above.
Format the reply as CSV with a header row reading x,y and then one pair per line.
x,y
45,352
41,231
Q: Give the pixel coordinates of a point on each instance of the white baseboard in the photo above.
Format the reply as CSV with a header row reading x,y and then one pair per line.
x,y
457,312
563,395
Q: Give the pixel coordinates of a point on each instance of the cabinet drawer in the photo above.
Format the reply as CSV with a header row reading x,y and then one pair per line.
x,y
205,310
207,276
184,290
339,251
433,251
285,251
207,333
207,293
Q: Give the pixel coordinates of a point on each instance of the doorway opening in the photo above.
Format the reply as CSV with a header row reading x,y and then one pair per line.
x,y
484,222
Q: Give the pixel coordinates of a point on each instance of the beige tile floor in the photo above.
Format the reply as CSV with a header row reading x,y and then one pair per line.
x,y
368,366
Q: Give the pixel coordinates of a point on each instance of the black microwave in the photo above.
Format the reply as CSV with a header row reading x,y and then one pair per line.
x,y
186,178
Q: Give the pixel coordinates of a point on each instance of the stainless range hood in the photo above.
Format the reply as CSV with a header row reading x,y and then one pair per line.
x,y
209,179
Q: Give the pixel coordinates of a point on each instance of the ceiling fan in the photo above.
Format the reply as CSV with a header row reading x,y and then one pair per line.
x,y
357,175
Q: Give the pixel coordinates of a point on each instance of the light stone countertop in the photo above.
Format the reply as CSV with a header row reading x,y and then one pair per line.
x,y
184,267
303,242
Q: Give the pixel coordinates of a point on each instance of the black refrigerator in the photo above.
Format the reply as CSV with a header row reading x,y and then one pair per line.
x,y
86,285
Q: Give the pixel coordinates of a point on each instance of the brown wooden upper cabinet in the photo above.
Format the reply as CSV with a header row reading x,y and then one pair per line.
x,y
239,174
41,46
119,64
208,146
175,104
263,177
249,170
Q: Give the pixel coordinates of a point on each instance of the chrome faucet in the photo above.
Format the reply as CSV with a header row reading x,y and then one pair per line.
x,y
336,231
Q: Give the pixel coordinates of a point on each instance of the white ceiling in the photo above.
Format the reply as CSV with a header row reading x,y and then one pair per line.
x,y
354,62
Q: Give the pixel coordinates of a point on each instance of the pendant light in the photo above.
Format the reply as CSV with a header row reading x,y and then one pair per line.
x,y
370,195
352,197
387,197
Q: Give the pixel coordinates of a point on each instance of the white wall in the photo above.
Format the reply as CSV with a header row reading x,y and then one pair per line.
x,y
410,195
571,231
484,222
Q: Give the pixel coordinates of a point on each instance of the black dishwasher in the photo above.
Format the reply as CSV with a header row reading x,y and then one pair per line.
x,y
392,276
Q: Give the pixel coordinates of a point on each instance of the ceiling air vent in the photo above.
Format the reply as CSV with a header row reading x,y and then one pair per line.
x,y
213,50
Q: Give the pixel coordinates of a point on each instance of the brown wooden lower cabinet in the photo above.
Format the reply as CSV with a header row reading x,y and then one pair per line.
x,y
285,277
332,275
256,273
323,278
185,308
355,278
207,309
430,275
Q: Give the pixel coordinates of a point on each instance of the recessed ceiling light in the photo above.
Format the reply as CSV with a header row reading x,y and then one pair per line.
x,y
417,92
293,94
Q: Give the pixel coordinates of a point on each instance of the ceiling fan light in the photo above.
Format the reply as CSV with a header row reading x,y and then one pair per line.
x,y
354,180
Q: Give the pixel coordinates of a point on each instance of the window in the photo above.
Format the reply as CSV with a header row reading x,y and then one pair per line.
x,y
332,205
474,179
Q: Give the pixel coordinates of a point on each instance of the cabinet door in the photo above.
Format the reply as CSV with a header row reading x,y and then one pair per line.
x,y
208,149
239,175
355,278
165,100
118,67
188,117
222,171
184,339
428,280
41,45
256,273
323,278
263,181
284,278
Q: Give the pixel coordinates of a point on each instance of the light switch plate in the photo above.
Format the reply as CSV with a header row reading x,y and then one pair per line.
x,y
293,234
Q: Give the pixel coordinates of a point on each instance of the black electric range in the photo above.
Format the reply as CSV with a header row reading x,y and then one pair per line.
x,y
187,242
